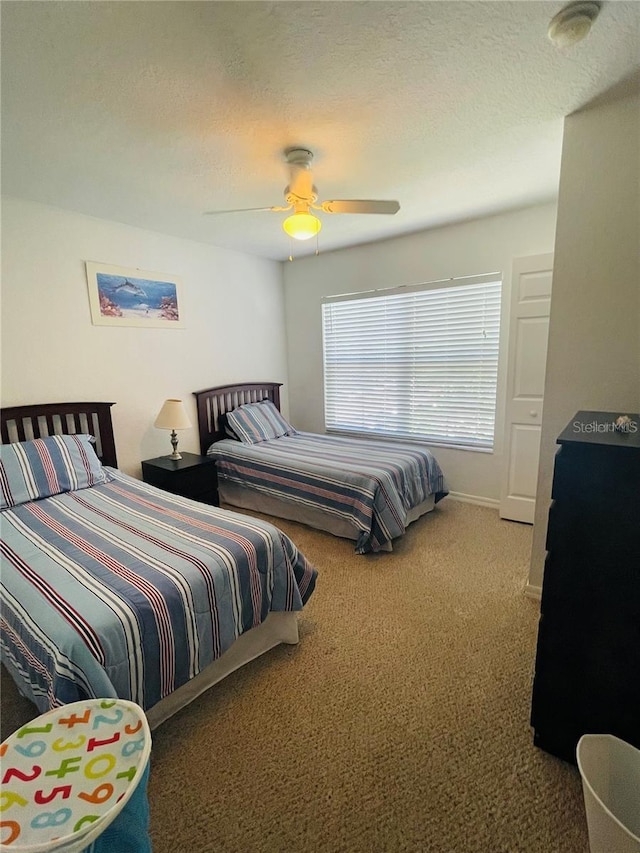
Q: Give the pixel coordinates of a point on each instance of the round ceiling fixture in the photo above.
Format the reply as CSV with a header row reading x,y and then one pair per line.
x,y
302,225
573,23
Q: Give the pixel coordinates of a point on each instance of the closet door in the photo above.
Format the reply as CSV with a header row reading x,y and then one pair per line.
x,y
527,362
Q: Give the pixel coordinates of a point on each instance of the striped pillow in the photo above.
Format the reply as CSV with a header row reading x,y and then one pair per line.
x,y
255,422
47,466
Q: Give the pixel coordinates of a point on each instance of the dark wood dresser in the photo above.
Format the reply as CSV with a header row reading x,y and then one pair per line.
x,y
587,672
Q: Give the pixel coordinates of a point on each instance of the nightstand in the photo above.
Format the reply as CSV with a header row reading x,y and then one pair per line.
x,y
193,476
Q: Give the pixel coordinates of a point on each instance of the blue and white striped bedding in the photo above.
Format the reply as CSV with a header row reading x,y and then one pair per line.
x,y
124,590
373,483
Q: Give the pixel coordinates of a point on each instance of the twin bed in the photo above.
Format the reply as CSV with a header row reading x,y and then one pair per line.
x,y
364,490
111,587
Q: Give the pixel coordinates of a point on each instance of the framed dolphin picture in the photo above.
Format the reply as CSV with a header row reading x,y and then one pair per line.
x,y
119,296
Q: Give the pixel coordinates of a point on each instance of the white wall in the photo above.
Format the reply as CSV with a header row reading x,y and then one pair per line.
x,y
51,352
593,360
470,248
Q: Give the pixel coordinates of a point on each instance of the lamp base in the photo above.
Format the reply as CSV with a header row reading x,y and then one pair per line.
x,y
174,444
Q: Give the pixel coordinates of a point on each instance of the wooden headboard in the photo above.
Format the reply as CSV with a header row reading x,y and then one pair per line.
x,y
214,403
38,420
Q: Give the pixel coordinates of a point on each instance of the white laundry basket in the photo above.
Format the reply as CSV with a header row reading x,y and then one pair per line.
x,y
610,770
74,780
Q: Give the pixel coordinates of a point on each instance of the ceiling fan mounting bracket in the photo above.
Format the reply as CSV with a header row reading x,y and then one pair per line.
x,y
300,157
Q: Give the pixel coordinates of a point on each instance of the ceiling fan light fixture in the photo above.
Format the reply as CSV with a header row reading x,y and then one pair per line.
x,y
302,226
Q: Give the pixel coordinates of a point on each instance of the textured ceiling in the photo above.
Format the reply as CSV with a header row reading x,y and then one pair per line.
x,y
150,113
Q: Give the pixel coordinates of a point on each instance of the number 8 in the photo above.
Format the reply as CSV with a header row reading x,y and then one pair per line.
x,y
51,818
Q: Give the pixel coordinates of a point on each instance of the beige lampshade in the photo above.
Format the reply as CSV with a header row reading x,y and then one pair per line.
x,y
172,416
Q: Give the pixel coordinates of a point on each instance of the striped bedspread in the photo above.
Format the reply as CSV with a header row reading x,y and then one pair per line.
x,y
374,483
123,590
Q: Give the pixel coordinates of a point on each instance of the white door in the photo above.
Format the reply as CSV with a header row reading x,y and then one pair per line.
x,y
527,361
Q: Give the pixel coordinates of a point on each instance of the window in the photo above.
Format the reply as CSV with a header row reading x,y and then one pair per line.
x,y
416,362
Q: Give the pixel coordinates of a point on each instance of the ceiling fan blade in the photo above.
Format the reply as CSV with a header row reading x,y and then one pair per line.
x,y
360,206
245,210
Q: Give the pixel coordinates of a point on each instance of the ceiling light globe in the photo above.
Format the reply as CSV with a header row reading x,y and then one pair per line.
x,y
302,226
570,32
573,23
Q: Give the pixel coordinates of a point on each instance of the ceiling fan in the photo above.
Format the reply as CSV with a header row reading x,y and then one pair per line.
x,y
301,197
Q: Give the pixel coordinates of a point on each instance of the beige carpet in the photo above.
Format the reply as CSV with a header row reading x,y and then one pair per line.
x,y
399,723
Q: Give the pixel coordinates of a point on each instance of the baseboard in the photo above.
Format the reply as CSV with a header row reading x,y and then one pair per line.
x,y
475,499
533,591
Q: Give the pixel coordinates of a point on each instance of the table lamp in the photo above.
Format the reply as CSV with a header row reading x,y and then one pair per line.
x,y
173,416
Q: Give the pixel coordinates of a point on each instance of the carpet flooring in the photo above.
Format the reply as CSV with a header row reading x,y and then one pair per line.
x,y
399,723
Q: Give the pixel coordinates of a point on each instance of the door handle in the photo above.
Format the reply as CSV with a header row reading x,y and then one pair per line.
x,y
533,413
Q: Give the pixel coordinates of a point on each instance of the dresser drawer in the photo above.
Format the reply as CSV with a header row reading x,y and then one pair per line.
x,y
598,477
193,481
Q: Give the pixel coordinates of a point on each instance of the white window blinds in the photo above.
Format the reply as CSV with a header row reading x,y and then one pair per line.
x,y
419,362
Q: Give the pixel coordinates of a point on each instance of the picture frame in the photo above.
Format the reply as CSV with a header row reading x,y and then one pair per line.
x,y
123,296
